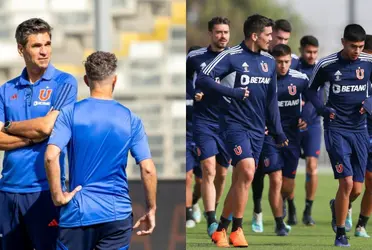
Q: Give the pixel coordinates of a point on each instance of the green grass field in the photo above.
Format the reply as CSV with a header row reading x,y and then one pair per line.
x,y
301,237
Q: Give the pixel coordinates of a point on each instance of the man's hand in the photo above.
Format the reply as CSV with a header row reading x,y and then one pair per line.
x,y
41,139
148,221
362,111
302,125
281,140
266,131
283,144
65,197
329,113
246,93
199,96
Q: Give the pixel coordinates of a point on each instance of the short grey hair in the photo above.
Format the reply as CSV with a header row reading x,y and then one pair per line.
x,y
30,27
100,65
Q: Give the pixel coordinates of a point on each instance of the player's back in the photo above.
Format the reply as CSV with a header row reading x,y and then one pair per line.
x,y
103,132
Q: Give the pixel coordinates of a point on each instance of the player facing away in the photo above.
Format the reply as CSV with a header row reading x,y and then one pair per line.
x,y
366,205
193,214
29,106
281,163
346,138
281,33
243,115
97,213
211,150
311,138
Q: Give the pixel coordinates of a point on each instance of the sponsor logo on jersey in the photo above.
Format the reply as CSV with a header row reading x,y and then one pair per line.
x,y
289,103
245,80
350,88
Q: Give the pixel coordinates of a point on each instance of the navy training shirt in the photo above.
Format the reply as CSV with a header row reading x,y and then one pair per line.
x,y
244,68
207,110
348,88
291,88
304,67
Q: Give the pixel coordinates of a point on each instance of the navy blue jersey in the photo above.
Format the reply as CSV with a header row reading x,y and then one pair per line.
x,y
206,110
348,88
192,70
369,117
307,69
295,61
291,88
244,68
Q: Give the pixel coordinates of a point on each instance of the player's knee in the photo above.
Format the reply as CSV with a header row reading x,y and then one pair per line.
x,y
221,173
355,193
311,168
346,185
188,177
247,174
209,169
276,181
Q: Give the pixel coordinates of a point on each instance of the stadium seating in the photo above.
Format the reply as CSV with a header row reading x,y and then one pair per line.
x,y
148,37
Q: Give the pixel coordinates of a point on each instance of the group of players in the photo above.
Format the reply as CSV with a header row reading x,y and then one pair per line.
x,y
256,106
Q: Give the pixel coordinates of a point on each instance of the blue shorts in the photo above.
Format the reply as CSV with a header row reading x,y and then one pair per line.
x,y
28,221
311,140
192,162
105,236
268,162
289,157
209,142
242,145
369,161
348,153
286,158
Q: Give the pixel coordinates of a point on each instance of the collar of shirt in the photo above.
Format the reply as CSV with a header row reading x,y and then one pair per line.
x,y
343,60
304,64
209,48
248,50
278,76
23,80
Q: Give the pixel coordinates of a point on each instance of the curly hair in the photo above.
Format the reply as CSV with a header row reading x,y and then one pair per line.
x,y
100,65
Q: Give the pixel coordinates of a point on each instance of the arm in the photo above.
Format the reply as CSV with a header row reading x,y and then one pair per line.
x,y
10,142
308,108
41,127
59,139
149,179
317,80
220,66
273,113
35,128
140,150
53,171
